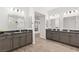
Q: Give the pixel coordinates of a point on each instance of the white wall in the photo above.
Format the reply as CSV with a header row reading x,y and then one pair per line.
x,y
3,18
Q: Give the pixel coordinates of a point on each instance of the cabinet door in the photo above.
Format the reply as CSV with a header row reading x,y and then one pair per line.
x,y
16,41
22,39
75,40
25,38
48,34
29,37
64,37
8,43
2,39
55,36
5,43
72,38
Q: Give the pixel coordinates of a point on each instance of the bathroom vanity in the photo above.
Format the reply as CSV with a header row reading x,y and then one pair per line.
x,y
71,38
10,40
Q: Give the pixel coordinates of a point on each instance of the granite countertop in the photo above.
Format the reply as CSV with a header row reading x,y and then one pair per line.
x,y
10,33
69,32
4,33
76,32
17,32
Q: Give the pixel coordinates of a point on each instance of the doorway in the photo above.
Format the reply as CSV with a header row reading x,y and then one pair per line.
x,y
40,25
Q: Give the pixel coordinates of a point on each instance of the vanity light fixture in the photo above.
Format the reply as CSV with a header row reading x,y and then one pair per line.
x,y
16,11
51,17
11,9
22,12
54,16
71,12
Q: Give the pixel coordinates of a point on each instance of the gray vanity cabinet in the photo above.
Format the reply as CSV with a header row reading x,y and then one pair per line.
x,y
55,35
2,39
48,34
25,37
52,35
29,37
22,39
72,38
16,40
64,37
75,40
5,43
8,42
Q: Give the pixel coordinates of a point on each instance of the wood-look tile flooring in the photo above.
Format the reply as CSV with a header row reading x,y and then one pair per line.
x,y
43,45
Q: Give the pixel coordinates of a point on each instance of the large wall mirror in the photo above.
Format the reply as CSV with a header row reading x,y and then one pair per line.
x,y
57,23
69,22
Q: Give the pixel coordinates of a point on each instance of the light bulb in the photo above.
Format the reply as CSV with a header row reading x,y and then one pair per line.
x,y
51,17
22,11
11,9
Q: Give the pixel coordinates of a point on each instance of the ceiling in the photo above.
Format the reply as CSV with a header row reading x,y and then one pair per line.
x,y
43,10
38,15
